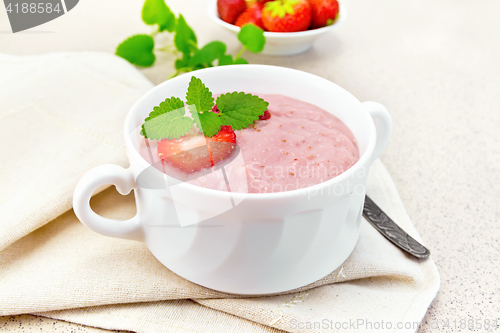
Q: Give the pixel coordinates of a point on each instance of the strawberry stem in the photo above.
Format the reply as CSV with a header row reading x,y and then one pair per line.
x,y
281,7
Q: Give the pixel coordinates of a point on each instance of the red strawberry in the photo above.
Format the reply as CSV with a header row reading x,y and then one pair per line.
x,y
230,9
221,144
194,152
323,12
287,15
265,116
188,153
253,14
215,109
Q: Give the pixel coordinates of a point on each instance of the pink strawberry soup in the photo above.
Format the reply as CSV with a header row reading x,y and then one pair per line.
x,y
299,146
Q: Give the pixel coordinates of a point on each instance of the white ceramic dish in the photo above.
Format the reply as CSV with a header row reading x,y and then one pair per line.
x,y
283,43
244,243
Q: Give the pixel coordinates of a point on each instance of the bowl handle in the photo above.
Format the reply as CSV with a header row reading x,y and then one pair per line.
x,y
383,126
124,181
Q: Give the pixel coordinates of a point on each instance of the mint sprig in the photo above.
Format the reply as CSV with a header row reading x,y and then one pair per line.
x,y
169,120
141,49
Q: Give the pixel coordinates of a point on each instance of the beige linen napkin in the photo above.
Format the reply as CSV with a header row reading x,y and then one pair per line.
x,y
65,271
64,265
60,115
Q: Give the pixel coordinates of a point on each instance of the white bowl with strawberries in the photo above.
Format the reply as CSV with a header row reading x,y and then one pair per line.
x,y
290,26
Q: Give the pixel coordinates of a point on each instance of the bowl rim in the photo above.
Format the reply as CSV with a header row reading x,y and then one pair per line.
x,y
214,15
363,161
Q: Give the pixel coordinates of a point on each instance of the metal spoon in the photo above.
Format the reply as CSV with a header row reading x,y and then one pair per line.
x,y
390,230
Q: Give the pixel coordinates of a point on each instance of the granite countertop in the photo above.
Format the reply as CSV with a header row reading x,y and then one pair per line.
x,y
433,64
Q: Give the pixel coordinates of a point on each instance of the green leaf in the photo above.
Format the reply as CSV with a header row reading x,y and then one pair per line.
x,y
239,109
183,62
208,53
252,37
199,96
170,125
210,123
226,59
240,61
157,12
169,104
185,39
137,50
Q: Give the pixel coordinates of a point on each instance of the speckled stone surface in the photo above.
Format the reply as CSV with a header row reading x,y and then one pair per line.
x,y
28,323
433,64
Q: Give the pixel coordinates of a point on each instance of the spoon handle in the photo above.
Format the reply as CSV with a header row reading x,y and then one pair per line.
x,y
390,230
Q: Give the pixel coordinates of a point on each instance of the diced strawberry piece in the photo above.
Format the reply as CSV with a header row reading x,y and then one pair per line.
x,y
194,152
215,109
230,9
265,116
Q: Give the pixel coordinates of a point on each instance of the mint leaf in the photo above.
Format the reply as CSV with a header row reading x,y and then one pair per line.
x,y
199,96
210,123
157,12
185,39
226,59
169,104
240,61
182,62
239,109
137,50
252,37
208,53
170,125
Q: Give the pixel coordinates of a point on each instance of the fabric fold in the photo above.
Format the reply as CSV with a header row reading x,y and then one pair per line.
x,y
61,115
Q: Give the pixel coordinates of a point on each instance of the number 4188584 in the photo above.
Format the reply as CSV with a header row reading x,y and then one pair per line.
x,y
33,8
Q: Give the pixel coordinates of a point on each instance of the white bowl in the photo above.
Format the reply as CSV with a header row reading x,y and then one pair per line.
x,y
283,43
244,243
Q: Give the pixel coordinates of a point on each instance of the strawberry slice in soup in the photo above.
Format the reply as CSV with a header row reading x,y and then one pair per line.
x,y
221,145
194,152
